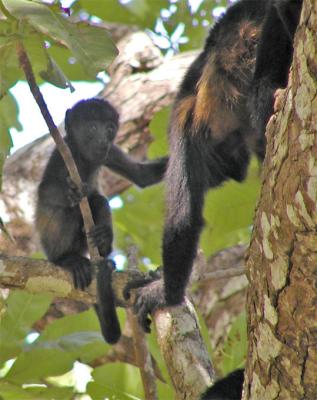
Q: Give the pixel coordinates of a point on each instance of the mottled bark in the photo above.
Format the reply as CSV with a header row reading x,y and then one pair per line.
x,y
183,350
282,259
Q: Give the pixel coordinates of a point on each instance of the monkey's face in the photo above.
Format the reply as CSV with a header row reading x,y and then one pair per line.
x,y
94,138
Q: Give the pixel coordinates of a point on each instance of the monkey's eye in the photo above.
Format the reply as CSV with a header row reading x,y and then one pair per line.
x,y
111,130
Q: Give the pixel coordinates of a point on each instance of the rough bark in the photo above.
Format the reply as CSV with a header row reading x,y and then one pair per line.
x,y
282,259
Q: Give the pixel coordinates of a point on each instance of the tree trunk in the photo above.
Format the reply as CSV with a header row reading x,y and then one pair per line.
x,y
282,259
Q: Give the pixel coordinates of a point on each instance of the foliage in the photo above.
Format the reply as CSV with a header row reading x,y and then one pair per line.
x,y
27,366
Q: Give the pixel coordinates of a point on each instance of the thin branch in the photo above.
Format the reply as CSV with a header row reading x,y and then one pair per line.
x,y
226,273
60,143
142,354
124,351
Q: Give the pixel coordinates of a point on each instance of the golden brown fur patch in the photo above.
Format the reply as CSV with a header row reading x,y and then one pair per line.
x,y
183,109
224,82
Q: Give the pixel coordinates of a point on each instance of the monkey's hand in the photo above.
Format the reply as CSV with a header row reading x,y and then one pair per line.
x,y
75,194
101,236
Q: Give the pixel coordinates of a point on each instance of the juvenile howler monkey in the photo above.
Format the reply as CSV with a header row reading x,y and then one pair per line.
x,y
91,126
218,119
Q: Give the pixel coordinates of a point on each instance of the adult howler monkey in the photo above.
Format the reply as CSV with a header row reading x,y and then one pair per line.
x,y
218,119
91,126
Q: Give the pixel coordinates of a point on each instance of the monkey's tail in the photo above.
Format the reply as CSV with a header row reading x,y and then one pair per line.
x,y
105,307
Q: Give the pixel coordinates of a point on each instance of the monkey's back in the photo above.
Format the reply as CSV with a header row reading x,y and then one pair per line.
x,y
214,91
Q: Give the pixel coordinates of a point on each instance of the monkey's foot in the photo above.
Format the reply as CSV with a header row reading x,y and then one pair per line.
x,y
148,299
82,274
138,283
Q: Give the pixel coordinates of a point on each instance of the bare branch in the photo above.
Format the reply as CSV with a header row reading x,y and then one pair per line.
x,y
142,354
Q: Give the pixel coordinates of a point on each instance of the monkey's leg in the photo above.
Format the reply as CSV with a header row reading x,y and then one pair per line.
x,y
102,234
187,179
142,173
64,242
79,267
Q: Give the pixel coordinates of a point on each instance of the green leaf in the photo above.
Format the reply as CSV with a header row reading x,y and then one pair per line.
x,y
78,334
33,365
122,381
54,75
9,71
139,222
23,309
10,391
8,117
138,12
235,347
90,45
85,346
49,393
229,212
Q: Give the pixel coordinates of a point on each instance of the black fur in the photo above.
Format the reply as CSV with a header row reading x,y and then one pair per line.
x,y
228,388
218,120
91,126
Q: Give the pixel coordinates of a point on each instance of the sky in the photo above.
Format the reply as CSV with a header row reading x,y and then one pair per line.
x,y
58,101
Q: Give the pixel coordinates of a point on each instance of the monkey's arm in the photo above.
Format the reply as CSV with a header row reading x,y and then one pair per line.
x,y
273,59
142,173
289,11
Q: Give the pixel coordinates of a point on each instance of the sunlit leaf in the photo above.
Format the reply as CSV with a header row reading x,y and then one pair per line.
x,y
90,45
229,212
54,75
44,361
119,380
138,12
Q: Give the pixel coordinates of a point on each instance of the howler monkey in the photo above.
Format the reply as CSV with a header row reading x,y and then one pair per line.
x,y
218,120
91,126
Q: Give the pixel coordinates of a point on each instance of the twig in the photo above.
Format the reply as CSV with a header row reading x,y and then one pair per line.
x,y
59,141
142,354
223,274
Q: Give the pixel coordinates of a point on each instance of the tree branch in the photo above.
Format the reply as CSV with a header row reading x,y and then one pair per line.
x,y
177,327
183,350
